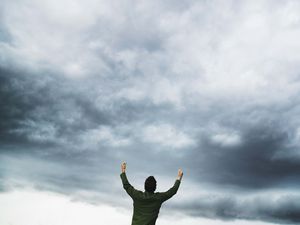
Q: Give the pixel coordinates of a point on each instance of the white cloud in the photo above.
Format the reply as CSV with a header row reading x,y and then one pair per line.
x,y
49,35
48,208
166,135
35,208
103,135
226,139
209,50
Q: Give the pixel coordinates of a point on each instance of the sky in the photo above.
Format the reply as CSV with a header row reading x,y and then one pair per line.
x,y
211,87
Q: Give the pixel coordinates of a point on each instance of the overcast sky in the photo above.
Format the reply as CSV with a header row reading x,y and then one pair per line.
x,y
212,87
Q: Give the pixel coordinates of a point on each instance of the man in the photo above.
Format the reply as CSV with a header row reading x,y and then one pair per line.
x,y
146,204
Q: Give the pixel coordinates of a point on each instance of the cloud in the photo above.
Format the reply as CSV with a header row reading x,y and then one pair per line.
x,y
166,135
269,207
87,87
257,162
104,135
226,139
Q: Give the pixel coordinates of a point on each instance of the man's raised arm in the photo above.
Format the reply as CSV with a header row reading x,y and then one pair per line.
x,y
173,190
126,185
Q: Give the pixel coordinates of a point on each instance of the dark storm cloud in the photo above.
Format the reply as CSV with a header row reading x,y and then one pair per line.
x,y
280,209
261,160
29,100
14,106
68,176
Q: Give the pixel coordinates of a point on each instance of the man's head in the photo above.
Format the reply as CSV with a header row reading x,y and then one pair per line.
x,y
150,184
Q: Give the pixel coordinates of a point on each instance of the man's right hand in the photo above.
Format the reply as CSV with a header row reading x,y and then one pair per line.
x,y
180,174
123,167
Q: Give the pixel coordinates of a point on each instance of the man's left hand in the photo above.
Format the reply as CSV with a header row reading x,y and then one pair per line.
x,y
123,167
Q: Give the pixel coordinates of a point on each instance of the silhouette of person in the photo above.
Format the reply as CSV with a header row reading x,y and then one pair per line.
x,y
146,204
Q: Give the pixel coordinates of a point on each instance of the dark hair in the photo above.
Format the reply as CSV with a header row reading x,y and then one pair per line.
x,y
150,184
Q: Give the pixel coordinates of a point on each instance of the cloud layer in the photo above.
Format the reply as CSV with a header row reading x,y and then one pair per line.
x,y
208,86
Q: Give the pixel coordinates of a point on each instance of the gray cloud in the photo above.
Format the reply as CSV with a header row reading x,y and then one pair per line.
x,y
261,160
279,209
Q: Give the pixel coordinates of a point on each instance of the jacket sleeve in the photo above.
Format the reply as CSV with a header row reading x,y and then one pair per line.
x,y
133,193
172,191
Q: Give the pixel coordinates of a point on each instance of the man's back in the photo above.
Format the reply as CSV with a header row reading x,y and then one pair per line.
x,y
146,205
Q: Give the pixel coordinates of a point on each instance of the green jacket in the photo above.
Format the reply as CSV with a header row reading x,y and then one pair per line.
x,y
146,205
